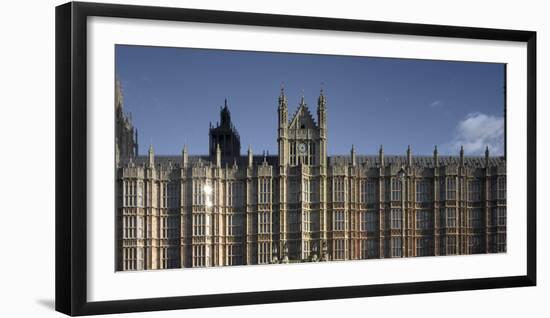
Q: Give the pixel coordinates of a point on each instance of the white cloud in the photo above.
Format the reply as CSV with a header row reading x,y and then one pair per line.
x,y
476,131
435,103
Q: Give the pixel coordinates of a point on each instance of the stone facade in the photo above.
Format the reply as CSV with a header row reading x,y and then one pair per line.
x,y
302,205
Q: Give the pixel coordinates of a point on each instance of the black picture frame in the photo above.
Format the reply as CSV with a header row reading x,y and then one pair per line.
x,y
71,157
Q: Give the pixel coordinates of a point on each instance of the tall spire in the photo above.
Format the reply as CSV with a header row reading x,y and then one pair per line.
x,y
353,159
461,155
409,156
302,100
486,156
381,155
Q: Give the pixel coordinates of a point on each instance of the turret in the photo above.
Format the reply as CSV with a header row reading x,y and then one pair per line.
x,y
249,156
461,155
283,110
486,156
282,140
381,156
409,156
321,111
151,156
353,160
322,122
184,157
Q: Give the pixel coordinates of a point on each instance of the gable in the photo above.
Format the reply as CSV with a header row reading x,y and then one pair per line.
x,y
303,119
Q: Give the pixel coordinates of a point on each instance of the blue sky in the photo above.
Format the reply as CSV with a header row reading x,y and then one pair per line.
x,y
174,93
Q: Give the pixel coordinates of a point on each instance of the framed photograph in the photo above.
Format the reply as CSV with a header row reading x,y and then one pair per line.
x,y
209,158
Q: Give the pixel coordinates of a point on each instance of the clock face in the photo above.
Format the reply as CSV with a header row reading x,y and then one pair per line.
x,y
302,148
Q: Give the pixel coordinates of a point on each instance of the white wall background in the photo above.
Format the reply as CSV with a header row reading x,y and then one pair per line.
x,y
27,157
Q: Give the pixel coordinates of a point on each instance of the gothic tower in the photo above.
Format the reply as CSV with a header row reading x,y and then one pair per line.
x,y
322,120
302,163
322,184
226,136
282,140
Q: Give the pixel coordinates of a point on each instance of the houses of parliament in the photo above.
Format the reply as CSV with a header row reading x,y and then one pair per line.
x,y
300,205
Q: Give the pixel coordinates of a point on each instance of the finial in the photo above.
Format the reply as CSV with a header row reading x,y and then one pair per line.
x,y
151,155
249,155
353,161
436,159
487,151
381,155
185,156
282,97
225,103
321,100
302,102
